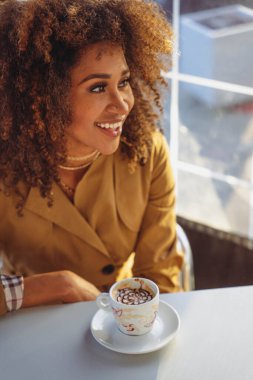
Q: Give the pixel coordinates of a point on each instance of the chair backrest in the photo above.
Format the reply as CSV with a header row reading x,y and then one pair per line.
x,y
187,275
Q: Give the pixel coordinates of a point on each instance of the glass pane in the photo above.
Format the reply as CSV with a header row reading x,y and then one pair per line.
x,y
219,139
216,43
214,203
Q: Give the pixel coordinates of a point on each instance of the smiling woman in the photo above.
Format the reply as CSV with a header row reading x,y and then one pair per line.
x,y
85,177
100,82
101,98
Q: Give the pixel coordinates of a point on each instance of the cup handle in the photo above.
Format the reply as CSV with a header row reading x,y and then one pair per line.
x,y
103,301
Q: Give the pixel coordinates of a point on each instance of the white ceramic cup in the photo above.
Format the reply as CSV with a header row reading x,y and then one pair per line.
x,y
135,319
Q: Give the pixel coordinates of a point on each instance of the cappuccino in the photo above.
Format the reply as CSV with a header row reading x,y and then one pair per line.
x,y
129,296
134,304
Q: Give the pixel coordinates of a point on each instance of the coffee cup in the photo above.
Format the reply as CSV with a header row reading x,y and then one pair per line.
x,y
133,303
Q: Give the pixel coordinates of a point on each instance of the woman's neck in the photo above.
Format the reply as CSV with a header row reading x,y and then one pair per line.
x,y
73,170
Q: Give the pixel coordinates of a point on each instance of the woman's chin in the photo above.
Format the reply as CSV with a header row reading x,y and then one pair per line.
x,y
108,150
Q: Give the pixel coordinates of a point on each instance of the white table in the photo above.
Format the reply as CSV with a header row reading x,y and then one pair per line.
x,y
215,342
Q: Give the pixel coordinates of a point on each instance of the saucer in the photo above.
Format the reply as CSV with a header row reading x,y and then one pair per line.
x,y
105,331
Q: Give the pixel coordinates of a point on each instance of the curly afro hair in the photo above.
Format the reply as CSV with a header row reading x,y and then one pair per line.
x,y
40,41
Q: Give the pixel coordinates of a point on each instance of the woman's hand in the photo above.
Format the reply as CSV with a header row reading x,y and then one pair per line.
x,y
57,287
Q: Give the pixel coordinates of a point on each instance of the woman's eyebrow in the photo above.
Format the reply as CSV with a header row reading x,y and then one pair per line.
x,y
101,76
94,76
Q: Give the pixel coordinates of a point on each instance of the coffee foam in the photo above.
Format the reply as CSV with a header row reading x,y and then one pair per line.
x,y
129,296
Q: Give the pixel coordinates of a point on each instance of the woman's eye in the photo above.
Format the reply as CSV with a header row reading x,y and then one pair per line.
x,y
98,88
124,82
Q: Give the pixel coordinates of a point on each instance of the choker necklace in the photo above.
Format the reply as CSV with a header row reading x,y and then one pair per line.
x,y
91,159
82,158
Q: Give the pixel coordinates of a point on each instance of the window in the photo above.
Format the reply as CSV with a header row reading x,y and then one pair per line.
x,y
209,113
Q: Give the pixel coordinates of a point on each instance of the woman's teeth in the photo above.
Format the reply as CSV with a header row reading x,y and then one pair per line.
x,y
109,125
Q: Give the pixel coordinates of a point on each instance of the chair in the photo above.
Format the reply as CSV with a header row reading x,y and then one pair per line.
x,y
187,274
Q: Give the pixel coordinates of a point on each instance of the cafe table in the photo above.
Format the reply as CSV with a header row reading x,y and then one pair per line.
x,y
214,342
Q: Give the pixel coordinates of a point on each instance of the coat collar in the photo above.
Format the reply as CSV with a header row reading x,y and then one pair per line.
x,y
64,214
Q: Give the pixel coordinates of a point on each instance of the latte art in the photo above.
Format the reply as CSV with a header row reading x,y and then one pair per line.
x,y
130,296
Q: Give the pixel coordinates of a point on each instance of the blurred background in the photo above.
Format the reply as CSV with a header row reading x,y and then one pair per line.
x,y
209,125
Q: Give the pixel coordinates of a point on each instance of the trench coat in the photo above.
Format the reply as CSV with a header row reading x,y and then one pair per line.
x,y
115,215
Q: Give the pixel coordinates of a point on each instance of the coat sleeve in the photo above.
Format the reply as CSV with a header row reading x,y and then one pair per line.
x,y
3,306
156,256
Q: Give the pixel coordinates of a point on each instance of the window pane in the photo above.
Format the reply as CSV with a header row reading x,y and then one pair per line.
x,y
214,203
215,43
219,139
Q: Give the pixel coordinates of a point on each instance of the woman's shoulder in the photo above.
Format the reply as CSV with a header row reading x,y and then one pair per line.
x,y
160,148
159,141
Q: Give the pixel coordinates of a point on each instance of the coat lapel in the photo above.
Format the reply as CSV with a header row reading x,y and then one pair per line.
x,y
66,215
131,192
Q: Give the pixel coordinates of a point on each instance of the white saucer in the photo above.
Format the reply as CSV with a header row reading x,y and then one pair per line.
x,y
105,331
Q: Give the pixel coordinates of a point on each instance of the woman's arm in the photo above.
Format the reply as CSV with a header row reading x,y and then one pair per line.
x,y
57,287
53,288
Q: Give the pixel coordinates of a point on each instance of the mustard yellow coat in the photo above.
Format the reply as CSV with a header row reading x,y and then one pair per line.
x,y
114,214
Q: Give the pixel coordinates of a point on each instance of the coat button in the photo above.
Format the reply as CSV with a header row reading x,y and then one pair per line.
x,y
108,269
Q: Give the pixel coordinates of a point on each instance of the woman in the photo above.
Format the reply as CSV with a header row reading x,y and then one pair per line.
x,y
86,184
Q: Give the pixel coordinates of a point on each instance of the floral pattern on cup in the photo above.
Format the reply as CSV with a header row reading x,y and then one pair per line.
x,y
131,321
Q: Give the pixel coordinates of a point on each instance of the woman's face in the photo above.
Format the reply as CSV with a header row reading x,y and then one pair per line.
x,y
101,98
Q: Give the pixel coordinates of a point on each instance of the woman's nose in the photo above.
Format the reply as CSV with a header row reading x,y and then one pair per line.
x,y
118,103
